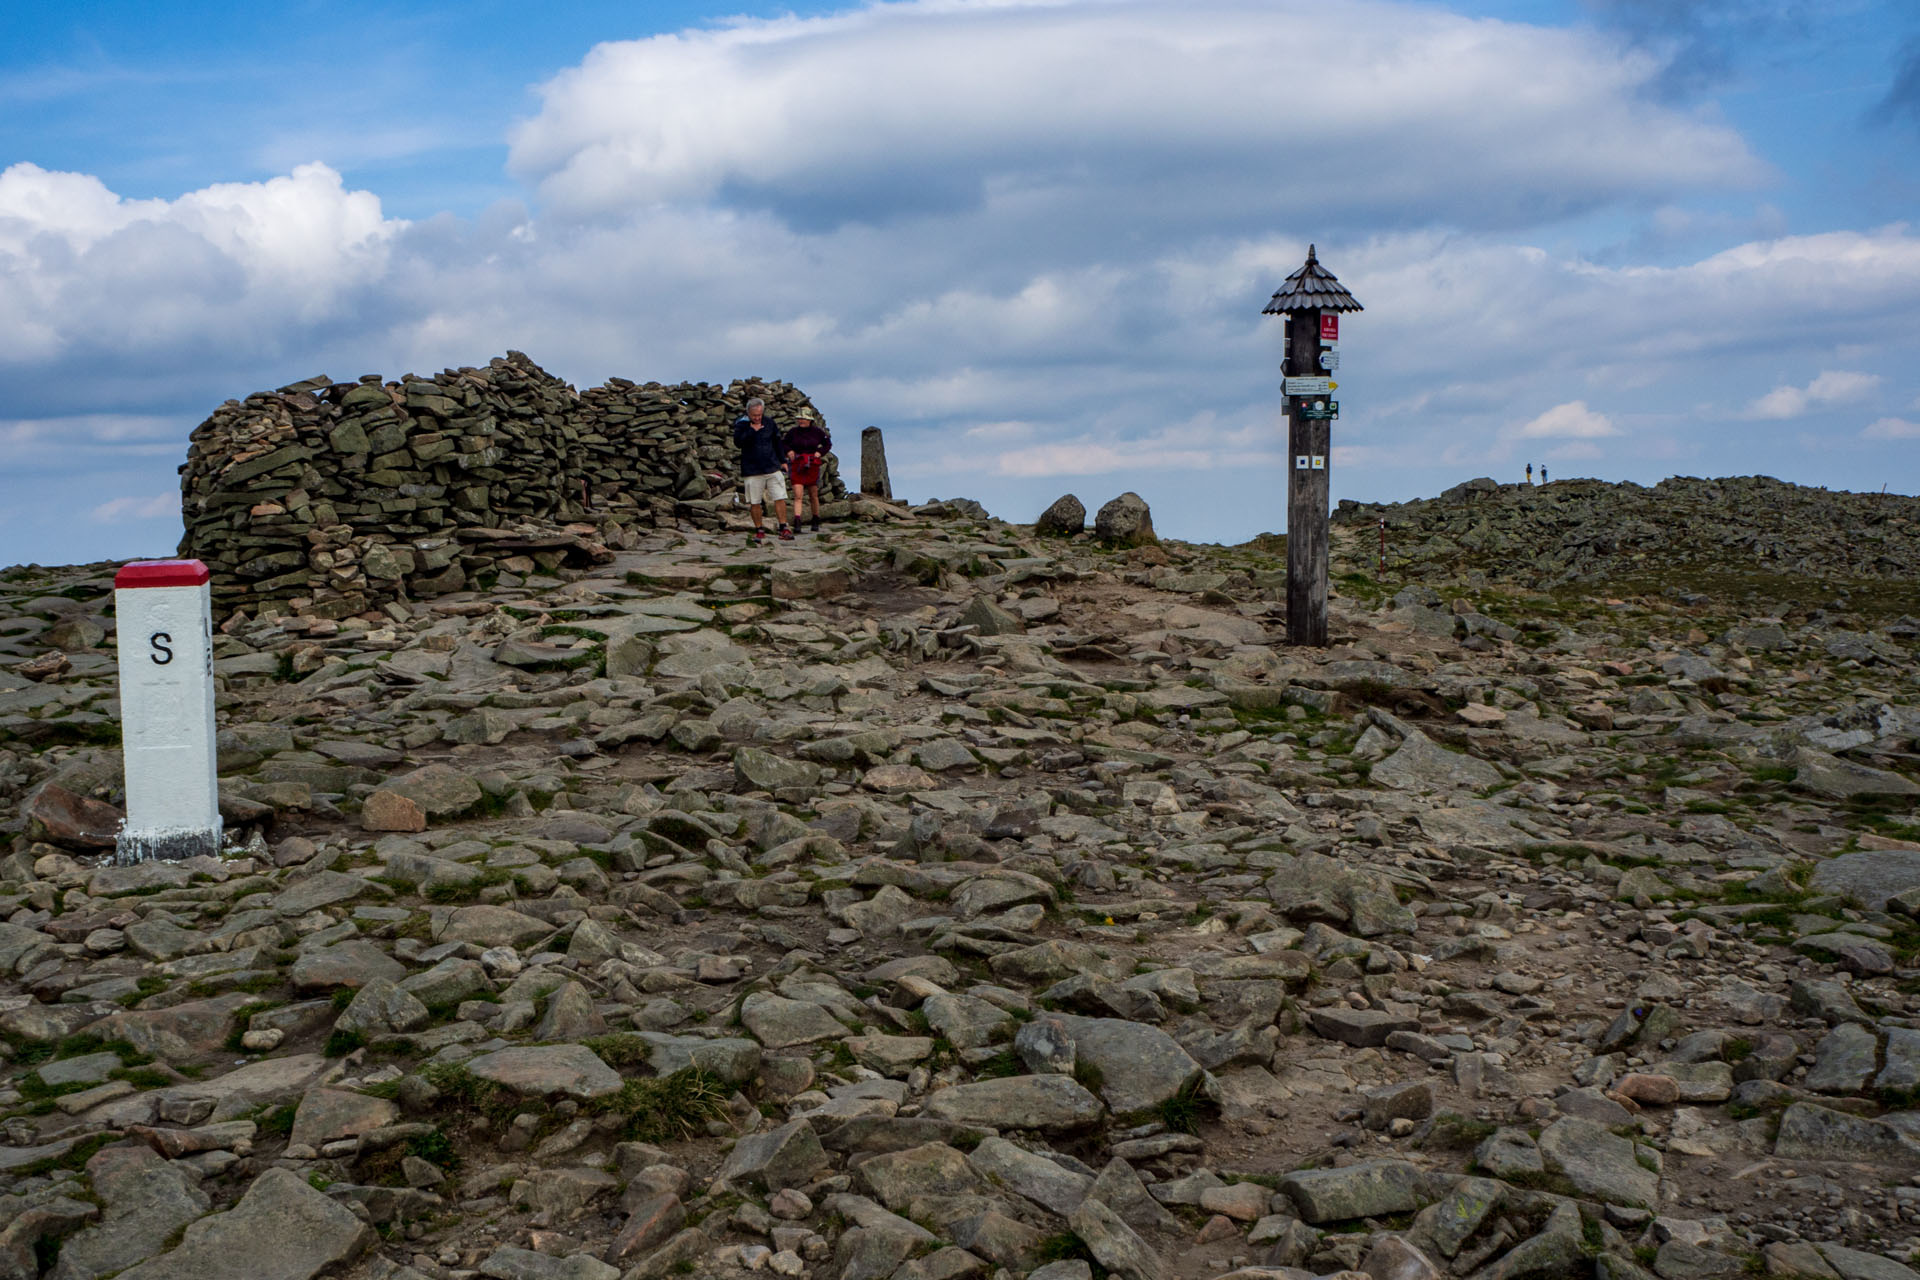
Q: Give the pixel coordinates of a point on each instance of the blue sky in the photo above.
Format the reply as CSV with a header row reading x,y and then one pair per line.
x,y
1031,238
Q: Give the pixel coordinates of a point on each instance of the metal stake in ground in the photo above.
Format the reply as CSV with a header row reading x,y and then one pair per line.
x,y
1312,301
163,614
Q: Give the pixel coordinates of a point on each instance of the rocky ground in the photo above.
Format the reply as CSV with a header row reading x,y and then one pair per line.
x,y
1734,536
930,899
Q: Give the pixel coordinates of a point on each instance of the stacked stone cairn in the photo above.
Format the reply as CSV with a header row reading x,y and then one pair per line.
x,y
331,498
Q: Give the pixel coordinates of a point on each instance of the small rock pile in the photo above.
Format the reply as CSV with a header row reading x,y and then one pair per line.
x,y
335,497
1589,530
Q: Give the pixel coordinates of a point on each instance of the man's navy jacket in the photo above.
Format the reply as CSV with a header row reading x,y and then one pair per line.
x,y
761,451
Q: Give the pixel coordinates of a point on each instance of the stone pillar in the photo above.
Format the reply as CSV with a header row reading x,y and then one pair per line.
x,y
165,627
873,465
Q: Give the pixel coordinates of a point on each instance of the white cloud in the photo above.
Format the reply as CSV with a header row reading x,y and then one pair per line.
x,y
1010,430
30,440
1027,107
117,509
80,266
1831,387
1570,421
1891,429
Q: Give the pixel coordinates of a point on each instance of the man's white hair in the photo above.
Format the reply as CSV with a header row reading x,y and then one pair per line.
x,y
756,401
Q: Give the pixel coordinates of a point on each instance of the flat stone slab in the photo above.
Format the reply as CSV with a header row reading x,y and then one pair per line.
x,y
536,1071
1870,877
1369,1189
282,1229
1420,764
490,926
1361,1028
1049,1103
1598,1163
147,1198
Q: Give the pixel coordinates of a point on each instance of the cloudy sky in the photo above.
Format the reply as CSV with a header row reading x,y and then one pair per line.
x,y
1029,238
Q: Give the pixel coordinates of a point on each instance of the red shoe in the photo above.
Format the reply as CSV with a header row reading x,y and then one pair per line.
x,y
759,535
786,534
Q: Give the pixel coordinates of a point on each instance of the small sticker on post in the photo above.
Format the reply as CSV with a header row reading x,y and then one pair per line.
x,y
1319,462
1300,462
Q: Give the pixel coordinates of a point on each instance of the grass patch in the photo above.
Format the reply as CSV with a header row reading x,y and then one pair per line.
x,y
1066,1247
445,893
1451,1131
142,1077
619,1051
461,1090
1182,1112
999,1066
667,1108
149,985
34,1089
75,1158
387,1168
341,1043
276,1122
1090,1077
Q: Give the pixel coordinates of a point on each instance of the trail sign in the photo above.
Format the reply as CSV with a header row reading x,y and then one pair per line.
x,y
1311,300
164,619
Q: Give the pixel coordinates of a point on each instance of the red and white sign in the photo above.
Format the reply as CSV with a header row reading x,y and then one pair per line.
x,y
1330,326
164,620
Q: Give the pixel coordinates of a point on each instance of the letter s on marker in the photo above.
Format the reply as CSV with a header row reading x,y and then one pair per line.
x,y
161,654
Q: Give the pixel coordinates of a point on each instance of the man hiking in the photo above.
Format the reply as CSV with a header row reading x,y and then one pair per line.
x,y
807,446
761,454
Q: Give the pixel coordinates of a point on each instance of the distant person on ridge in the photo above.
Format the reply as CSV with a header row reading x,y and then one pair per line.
x,y
1543,473
807,446
1529,473
761,450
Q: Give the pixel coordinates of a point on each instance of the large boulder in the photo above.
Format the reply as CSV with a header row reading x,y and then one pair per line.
x,y
1125,522
1140,1067
1066,517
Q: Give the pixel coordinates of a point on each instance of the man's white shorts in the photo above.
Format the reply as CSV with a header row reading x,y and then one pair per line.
x,y
771,487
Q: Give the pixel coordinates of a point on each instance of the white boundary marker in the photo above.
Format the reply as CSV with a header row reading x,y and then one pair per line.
x,y
164,619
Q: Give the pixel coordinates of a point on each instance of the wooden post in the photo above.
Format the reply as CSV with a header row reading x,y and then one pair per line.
x,y
1308,490
873,465
1311,300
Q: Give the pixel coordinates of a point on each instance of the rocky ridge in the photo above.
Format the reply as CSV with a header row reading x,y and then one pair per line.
x,y
1585,531
937,899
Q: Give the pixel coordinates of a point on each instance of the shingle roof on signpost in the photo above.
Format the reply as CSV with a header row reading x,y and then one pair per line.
x,y
1311,288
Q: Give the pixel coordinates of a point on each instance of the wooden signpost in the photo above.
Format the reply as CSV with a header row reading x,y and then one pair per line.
x,y
1311,300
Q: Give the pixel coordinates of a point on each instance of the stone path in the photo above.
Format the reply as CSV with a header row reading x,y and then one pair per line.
x,y
935,899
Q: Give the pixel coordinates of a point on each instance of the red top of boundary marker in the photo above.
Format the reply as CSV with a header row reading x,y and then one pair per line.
x,y
162,573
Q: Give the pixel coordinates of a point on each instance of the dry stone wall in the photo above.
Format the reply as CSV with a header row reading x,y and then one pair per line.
x,y
334,497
